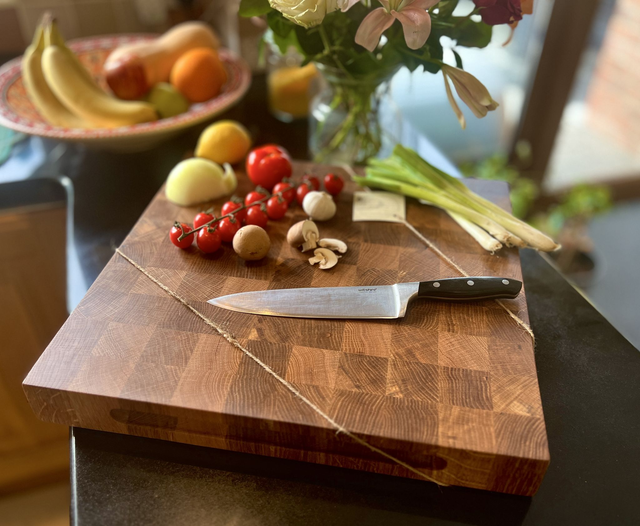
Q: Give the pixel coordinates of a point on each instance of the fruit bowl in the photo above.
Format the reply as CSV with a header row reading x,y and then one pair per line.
x,y
18,113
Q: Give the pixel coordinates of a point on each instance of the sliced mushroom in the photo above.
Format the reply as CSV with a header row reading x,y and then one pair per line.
x,y
303,234
324,257
333,244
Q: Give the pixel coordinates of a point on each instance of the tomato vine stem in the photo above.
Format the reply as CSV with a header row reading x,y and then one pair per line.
x,y
242,207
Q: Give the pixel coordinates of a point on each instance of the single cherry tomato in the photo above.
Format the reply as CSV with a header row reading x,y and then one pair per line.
x,y
228,228
176,231
256,195
302,190
268,165
257,215
288,191
333,184
313,181
231,206
277,207
202,219
209,240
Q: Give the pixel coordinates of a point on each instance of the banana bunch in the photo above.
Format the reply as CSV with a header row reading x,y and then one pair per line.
x,y
64,92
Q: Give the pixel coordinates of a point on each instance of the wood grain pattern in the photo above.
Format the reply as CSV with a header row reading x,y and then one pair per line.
x,y
451,389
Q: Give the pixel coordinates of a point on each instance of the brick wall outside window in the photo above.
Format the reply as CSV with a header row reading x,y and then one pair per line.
x,y
614,93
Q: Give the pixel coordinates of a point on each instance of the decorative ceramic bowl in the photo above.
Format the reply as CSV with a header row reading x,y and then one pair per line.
x,y
17,112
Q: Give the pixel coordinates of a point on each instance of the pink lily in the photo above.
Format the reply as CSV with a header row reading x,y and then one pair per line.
x,y
412,14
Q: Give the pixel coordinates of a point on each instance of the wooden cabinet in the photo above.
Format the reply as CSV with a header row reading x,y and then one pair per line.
x,y
32,308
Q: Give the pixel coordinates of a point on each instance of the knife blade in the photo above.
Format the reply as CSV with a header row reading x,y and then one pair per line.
x,y
366,302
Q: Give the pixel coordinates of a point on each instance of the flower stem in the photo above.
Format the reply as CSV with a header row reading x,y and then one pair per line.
x,y
325,41
360,131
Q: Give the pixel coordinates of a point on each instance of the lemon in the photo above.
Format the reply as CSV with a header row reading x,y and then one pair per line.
x,y
289,90
224,142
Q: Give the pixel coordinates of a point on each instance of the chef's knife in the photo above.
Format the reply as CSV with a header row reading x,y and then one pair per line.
x,y
368,302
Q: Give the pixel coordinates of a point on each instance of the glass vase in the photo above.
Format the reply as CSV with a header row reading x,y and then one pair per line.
x,y
345,115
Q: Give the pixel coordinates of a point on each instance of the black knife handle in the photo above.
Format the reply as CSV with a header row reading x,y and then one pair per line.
x,y
473,288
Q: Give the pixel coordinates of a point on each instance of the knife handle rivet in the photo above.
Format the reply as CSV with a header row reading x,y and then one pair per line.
x,y
436,284
470,283
505,281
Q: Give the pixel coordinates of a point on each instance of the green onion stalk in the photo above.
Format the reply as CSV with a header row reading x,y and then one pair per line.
x,y
405,172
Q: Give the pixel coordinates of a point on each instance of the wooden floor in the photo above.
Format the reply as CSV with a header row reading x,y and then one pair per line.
x,y
44,506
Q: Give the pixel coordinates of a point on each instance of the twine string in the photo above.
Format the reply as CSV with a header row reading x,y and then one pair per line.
x,y
297,394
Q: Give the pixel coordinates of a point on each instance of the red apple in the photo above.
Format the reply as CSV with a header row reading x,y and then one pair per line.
x,y
126,76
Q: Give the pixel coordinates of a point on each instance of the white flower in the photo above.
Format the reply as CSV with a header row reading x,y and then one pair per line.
x,y
309,13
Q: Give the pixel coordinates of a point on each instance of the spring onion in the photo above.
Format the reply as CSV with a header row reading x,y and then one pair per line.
x,y
407,173
487,242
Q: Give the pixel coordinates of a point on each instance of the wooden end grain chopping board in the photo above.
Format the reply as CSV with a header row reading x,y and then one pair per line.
x,y
451,389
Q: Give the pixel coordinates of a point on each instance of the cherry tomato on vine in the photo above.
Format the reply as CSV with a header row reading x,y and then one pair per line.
x,y
302,190
268,165
202,218
228,228
230,206
313,181
288,191
333,184
256,215
254,196
209,240
277,207
176,232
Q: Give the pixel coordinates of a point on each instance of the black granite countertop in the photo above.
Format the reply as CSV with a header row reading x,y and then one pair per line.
x,y
588,376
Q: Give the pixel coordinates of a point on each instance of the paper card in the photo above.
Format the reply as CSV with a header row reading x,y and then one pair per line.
x,y
379,206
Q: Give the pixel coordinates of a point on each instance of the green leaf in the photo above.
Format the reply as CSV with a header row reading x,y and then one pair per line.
x,y
435,52
309,41
362,64
471,34
250,8
414,59
284,43
391,58
282,31
458,59
279,24
357,13
446,7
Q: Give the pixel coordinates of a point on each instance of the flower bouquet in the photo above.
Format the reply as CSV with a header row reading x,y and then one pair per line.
x,y
359,45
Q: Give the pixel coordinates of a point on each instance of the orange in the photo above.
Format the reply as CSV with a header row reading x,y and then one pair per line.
x,y
199,74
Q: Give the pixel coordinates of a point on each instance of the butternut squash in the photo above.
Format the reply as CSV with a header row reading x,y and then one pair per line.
x,y
132,70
